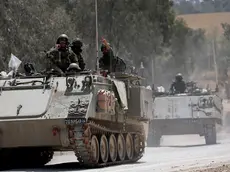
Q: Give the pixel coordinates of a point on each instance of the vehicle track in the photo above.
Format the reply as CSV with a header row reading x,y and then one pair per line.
x,y
86,138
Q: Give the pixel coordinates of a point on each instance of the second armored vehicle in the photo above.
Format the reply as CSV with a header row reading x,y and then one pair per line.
x,y
195,112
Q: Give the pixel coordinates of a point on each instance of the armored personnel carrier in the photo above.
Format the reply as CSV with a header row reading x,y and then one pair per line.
x,y
195,112
101,119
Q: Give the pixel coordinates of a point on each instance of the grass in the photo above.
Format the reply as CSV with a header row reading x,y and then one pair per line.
x,y
211,22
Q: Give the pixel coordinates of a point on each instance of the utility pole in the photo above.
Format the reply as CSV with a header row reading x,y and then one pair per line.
x,y
214,60
153,65
96,15
215,64
153,73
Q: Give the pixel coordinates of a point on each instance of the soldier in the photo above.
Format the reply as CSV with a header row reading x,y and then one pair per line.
x,y
29,69
106,62
60,57
76,48
178,86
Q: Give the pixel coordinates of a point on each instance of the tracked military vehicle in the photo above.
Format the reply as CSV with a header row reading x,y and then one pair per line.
x,y
195,112
102,119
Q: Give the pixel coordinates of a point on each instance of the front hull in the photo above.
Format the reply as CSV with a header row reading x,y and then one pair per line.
x,y
55,132
33,133
182,126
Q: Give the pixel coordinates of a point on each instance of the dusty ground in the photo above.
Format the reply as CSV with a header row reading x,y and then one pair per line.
x,y
186,153
177,154
222,168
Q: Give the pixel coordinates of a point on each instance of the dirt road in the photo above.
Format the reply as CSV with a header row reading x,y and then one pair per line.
x,y
178,153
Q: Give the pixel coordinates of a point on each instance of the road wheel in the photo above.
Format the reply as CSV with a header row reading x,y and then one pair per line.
x,y
95,149
112,148
121,147
104,149
129,146
136,145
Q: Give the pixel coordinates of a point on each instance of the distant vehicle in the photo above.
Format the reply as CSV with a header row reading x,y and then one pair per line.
x,y
195,112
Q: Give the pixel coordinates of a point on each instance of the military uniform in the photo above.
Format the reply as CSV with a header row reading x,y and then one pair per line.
x,y
76,48
179,85
60,57
107,61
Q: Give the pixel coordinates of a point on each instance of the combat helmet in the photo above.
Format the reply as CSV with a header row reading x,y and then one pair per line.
x,y
179,77
63,37
77,43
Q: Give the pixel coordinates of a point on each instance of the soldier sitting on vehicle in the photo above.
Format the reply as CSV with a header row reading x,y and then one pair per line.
x,y
60,57
178,86
76,48
29,69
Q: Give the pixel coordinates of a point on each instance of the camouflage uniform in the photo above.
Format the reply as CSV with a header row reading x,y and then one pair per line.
x,y
76,48
60,58
179,85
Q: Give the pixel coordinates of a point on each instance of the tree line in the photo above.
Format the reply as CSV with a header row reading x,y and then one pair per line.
x,y
138,30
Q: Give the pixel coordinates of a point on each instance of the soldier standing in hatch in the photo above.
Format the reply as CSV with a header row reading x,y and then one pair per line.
x,y
76,48
178,86
106,62
60,57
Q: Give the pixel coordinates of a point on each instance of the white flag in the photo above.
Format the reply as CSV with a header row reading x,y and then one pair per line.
x,y
14,62
149,87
